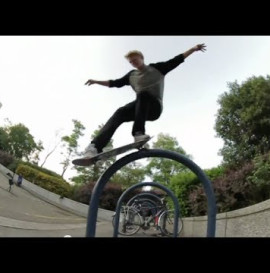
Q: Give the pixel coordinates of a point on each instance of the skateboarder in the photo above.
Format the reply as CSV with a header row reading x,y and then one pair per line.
x,y
148,83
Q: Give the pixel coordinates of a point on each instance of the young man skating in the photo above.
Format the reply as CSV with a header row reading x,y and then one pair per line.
x,y
148,83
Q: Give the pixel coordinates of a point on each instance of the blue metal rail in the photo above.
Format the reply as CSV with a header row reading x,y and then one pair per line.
x,y
145,153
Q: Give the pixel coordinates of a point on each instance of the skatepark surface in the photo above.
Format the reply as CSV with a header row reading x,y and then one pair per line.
x,y
23,214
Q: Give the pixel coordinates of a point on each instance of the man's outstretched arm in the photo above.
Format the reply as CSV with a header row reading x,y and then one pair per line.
x,y
112,83
104,83
201,47
165,67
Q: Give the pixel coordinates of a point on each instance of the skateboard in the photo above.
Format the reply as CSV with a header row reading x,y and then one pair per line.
x,y
105,155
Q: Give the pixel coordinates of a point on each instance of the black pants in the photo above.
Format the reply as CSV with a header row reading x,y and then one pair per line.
x,y
145,107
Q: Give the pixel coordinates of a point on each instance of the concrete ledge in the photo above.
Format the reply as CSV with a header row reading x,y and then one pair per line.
x,y
252,221
13,223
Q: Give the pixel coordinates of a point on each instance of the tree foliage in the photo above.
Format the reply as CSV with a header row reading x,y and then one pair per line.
x,y
6,159
129,175
243,120
260,177
3,139
70,143
108,199
161,170
17,141
232,191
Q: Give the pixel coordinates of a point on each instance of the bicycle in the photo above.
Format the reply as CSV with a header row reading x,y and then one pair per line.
x,y
143,215
129,221
166,223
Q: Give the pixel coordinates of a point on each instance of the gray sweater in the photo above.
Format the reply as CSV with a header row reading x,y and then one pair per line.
x,y
150,79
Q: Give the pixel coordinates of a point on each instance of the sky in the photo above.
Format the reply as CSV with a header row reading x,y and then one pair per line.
x,y
43,87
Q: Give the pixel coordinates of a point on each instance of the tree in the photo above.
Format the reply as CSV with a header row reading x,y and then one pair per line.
x,y
17,140
51,150
243,120
34,156
129,175
3,139
161,170
71,144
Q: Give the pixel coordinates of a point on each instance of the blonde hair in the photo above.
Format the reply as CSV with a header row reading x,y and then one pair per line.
x,y
133,52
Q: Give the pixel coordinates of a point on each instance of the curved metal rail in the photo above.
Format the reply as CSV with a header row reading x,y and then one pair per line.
x,y
145,153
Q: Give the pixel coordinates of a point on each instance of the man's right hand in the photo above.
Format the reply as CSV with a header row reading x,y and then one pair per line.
x,y
104,83
89,82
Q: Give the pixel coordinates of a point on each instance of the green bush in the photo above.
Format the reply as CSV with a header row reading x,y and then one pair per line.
x,y
184,183
43,170
181,185
48,182
108,198
82,193
232,191
215,173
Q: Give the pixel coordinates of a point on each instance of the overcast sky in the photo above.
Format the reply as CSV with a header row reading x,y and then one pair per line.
x,y
42,86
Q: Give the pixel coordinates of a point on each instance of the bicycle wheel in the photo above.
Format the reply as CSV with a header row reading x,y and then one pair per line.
x,y
166,223
130,221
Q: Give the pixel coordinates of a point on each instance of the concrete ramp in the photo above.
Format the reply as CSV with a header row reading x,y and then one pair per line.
x,y
23,214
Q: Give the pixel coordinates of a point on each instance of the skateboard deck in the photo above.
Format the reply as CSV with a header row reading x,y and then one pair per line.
x,y
105,155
